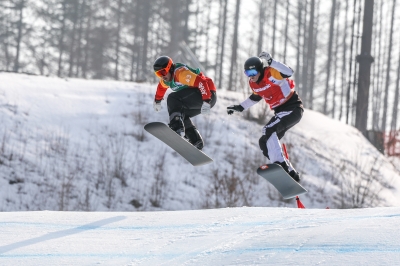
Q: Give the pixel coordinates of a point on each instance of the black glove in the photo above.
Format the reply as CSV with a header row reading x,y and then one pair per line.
x,y
234,108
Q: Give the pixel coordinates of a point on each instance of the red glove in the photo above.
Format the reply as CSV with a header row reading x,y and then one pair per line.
x,y
201,83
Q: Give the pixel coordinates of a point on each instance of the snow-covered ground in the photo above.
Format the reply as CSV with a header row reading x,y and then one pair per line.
x,y
79,145
229,236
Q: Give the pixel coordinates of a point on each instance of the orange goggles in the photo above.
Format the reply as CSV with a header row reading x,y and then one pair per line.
x,y
164,71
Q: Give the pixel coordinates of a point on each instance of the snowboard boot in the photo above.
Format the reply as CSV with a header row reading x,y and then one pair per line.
x,y
176,124
293,173
194,137
290,170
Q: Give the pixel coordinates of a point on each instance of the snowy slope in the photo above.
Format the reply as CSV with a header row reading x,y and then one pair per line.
x,y
230,236
71,144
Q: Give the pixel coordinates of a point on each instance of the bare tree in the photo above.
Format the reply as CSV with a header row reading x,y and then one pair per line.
x,y
79,50
88,38
387,83
176,28
379,54
274,27
74,18
118,38
350,64
329,62
261,22
300,26
61,37
207,31
286,40
344,59
20,24
5,33
145,25
393,124
235,45
355,76
335,63
365,60
310,56
222,51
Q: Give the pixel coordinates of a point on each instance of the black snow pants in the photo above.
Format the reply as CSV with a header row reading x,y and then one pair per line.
x,y
282,121
188,103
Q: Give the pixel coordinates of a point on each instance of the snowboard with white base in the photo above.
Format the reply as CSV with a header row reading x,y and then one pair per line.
x,y
193,155
283,182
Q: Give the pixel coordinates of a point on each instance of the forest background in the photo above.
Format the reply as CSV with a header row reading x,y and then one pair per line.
x,y
345,53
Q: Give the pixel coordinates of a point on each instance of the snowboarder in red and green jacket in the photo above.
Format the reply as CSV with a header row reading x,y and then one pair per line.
x,y
194,94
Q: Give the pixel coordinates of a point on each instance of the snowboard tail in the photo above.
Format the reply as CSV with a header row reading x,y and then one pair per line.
x,y
283,182
193,155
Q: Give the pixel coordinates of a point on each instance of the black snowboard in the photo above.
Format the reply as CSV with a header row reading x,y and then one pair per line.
x,y
283,182
193,155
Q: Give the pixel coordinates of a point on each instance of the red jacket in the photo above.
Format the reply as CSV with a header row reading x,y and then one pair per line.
x,y
273,88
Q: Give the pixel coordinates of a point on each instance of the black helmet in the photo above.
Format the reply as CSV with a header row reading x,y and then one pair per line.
x,y
162,62
253,63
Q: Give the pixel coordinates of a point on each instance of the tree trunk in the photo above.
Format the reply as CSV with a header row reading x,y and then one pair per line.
x,y
217,65
377,99
221,59
351,65
80,32
208,22
20,7
61,39
274,27
6,25
174,21
118,39
335,62
330,45
355,78
145,23
261,23
134,46
306,51
313,46
286,30
186,15
307,74
297,74
87,39
393,124
365,60
232,72
73,39
344,60
198,28
387,83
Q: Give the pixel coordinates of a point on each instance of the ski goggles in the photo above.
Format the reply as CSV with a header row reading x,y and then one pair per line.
x,y
251,72
164,71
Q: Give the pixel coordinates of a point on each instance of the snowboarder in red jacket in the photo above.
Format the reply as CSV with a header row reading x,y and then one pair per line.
x,y
269,80
193,94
